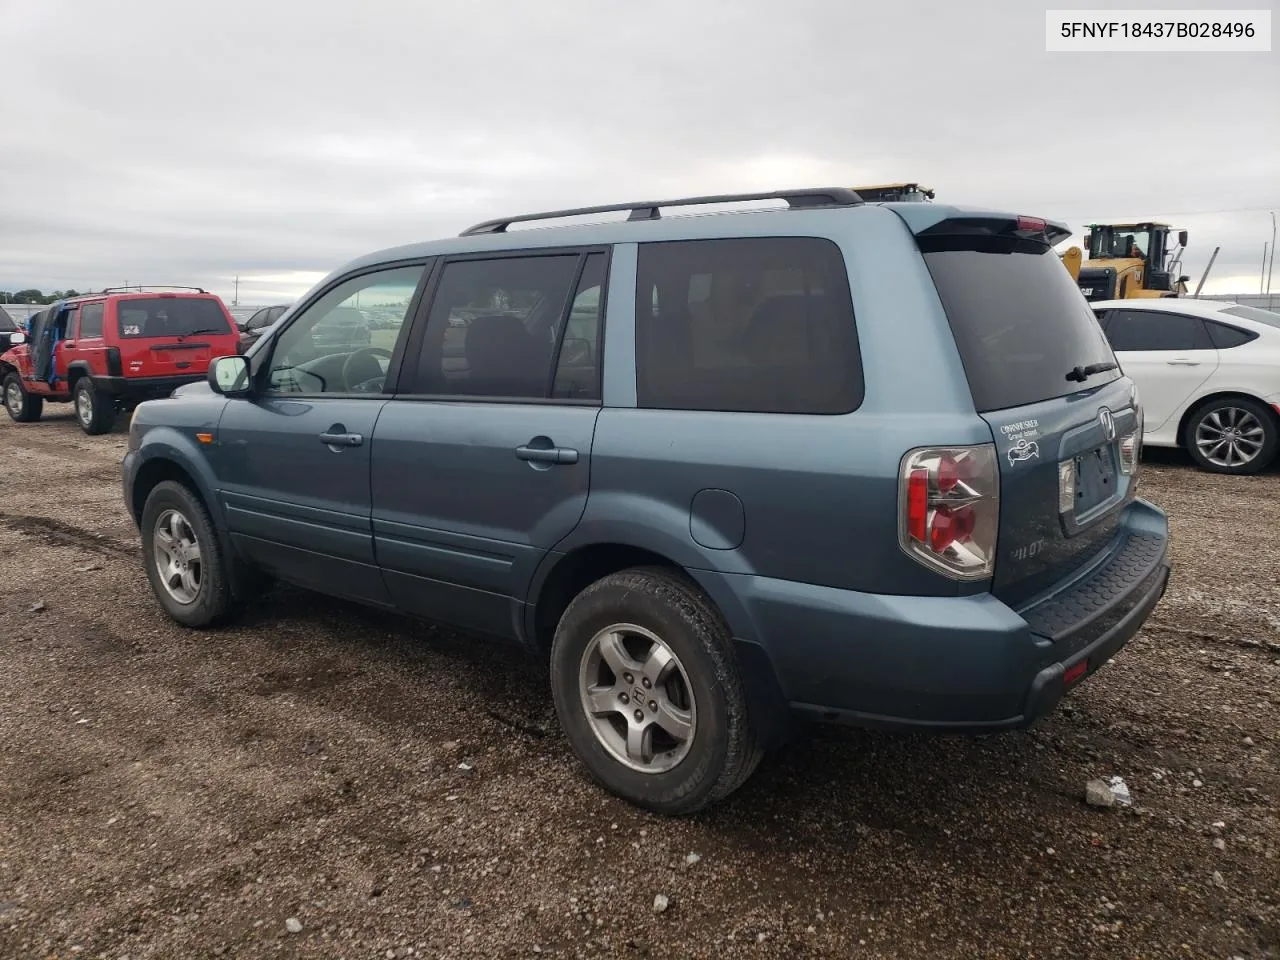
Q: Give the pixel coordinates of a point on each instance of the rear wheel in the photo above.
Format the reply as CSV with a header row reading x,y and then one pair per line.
x,y
23,407
648,692
95,411
1232,435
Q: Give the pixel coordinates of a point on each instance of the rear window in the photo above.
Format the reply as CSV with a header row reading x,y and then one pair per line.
x,y
1255,314
170,317
747,325
1019,320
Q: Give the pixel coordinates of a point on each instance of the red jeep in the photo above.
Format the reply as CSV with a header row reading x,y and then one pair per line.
x,y
110,351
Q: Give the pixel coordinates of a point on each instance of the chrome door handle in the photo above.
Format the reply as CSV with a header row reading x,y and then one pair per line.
x,y
546,454
341,439
1183,362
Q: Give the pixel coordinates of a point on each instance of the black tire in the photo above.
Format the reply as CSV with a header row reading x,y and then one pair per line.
x,y
723,750
95,410
213,602
1232,411
27,407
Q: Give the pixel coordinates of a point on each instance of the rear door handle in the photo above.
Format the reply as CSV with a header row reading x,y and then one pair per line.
x,y
1183,362
341,439
546,454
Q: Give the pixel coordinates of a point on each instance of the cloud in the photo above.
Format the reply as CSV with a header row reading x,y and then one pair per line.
x,y
276,139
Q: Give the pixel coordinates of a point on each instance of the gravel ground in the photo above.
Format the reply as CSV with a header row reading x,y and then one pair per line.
x,y
324,781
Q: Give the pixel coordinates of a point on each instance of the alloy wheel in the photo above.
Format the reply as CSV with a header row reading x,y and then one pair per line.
x,y
177,556
637,698
1230,437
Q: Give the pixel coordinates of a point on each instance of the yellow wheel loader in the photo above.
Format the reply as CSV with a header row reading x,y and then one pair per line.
x,y
1129,260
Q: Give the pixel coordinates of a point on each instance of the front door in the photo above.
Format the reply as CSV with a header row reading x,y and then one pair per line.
x,y
293,460
482,462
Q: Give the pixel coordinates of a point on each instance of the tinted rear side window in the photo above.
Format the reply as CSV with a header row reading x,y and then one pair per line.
x,y
752,325
1225,336
91,320
1019,320
170,317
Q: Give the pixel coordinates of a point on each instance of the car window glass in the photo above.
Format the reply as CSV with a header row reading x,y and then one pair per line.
x,y
71,326
168,316
493,326
1131,330
274,314
259,319
91,320
330,346
578,367
1225,336
746,325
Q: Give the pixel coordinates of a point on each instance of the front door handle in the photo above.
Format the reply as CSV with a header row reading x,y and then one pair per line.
x,y
341,439
1183,362
546,454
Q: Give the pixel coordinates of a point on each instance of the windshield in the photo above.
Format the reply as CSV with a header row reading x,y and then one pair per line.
x,y
1255,314
1119,242
171,317
1020,323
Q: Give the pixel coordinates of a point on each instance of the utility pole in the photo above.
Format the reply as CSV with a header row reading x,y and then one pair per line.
x,y
1271,264
235,300
1262,271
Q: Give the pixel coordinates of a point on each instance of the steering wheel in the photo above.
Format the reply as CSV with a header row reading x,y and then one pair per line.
x,y
366,355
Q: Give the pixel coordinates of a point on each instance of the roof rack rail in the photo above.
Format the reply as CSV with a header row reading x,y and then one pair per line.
x,y
648,209
144,287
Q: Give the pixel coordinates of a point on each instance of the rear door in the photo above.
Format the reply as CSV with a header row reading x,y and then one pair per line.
x,y
169,335
89,345
1168,355
1037,364
482,464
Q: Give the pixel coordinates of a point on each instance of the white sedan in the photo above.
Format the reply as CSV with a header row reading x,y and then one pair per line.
x,y
1208,376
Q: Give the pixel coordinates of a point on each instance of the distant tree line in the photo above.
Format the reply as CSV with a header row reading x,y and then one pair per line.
x,y
35,296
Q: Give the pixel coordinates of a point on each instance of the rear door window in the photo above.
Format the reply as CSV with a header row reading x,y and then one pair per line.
x,y
1019,320
150,317
746,325
1225,336
1134,330
91,321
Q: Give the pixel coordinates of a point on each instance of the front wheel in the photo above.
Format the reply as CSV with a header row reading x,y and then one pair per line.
x,y
22,407
95,412
182,556
1232,435
647,689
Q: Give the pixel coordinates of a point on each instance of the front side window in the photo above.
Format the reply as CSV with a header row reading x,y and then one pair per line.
x,y
749,325
330,346
495,328
1135,330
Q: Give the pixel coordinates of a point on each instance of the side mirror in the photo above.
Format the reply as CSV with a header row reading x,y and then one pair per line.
x,y
16,338
1182,237
229,376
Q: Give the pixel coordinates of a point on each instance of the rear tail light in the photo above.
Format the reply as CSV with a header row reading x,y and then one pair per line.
x,y
114,367
949,502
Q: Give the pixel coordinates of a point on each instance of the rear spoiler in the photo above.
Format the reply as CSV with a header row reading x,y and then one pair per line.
x,y
928,221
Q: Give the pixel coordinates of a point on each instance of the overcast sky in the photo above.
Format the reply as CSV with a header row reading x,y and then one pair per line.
x,y
177,142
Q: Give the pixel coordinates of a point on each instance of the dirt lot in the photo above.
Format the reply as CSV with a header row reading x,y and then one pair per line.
x,y
293,786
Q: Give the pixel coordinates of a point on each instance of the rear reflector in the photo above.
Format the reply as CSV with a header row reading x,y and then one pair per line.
x,y
1075,672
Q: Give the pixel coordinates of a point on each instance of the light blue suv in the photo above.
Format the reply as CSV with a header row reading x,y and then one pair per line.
x,y
869,463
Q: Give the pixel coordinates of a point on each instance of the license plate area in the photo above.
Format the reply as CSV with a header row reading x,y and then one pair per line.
x,y
1097,484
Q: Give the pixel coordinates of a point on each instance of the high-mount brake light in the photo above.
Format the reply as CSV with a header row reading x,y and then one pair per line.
x,y
1032,224
950,509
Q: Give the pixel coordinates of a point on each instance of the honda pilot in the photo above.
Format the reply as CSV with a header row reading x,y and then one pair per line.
x,y
869,463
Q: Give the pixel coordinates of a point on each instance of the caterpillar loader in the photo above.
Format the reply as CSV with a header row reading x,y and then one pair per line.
x,y
1129,260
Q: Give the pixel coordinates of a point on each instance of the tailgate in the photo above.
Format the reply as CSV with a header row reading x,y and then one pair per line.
x,y
171,335
1065,422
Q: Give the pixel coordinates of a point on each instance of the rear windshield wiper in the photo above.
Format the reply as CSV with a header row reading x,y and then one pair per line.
x,y
1081,374
196,333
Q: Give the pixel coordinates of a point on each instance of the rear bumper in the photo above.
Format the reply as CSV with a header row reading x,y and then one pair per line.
x,y
144,388
962,664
